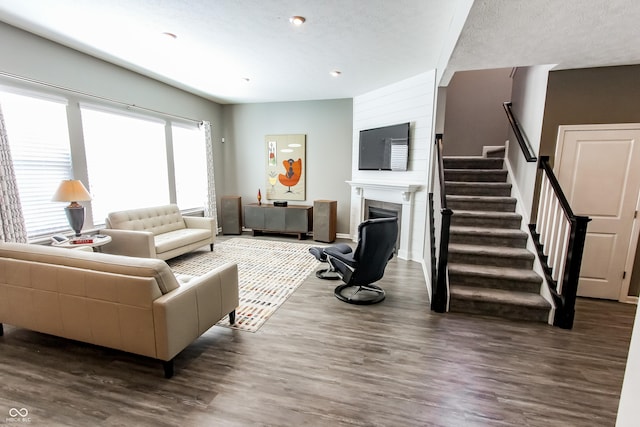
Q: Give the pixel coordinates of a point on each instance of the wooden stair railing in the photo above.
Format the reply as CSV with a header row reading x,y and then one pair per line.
x,y
558,235
523,142
439,259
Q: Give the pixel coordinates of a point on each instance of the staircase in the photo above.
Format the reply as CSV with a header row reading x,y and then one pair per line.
x,y
490,269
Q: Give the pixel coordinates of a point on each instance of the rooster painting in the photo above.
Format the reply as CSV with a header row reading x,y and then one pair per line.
x,y
293,173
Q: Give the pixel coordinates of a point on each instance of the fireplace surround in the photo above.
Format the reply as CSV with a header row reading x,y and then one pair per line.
x,y
396,196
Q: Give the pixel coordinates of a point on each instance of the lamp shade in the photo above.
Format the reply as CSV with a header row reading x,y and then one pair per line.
x,y
71,190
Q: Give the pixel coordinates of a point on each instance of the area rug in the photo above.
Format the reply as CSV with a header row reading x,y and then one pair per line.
x,y
269,272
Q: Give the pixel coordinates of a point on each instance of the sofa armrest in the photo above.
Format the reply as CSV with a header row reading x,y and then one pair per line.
x,y
207,223
184,314
130,243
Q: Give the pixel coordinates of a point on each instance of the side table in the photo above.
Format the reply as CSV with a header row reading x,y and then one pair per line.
x,y
96,245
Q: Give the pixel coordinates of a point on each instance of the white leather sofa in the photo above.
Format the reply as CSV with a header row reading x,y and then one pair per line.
x,y
131,304
157,232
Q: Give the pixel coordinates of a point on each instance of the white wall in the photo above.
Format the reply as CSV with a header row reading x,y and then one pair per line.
x,y
411,100
328,127
630,395
528,96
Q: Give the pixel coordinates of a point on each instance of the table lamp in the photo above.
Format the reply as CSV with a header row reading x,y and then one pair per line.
x,y
72,190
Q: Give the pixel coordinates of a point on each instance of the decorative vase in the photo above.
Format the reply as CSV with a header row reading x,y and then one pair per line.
x,y
259,197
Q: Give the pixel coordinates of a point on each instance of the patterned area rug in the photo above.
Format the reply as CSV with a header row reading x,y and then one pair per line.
x,y
269,272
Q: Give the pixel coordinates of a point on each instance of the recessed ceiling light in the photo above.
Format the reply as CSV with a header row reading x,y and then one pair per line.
x,y
170,35
297,20
335,73
246,79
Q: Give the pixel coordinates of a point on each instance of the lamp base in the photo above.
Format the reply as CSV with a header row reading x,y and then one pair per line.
x,y
75,216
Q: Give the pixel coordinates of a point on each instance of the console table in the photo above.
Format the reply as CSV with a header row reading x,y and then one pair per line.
x,y
293,219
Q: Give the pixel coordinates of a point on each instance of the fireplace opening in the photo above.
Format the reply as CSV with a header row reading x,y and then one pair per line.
x,y
377,209
381,213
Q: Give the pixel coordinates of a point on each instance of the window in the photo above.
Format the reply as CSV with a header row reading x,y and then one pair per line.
x,y
190,165
39,141
126,161
126,158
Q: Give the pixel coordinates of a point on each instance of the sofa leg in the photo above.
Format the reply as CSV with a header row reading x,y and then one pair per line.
x,y
1,329
211,246
232,317
168,368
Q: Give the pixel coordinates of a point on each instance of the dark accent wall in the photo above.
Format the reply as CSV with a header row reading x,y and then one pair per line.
x,y
589,96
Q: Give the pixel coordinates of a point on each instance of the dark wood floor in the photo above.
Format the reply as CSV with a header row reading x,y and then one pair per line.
x,y
319,361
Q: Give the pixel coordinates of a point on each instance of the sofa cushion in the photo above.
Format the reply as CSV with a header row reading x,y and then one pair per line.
x,y
174,239
117,264
157,219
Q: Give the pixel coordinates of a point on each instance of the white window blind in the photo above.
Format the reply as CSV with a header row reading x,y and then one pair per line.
x,y
126,161
190,165
39,141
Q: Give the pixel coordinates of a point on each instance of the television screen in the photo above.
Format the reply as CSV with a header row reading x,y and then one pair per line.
x,y
385,148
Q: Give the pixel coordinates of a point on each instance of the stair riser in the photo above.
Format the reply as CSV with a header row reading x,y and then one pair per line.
x,y
480,190
469,221
481,205
492,260
499,310
469,175
489,240
481,163
494,283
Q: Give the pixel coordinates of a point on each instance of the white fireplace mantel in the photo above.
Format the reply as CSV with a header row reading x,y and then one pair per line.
x,y
405,189
386,191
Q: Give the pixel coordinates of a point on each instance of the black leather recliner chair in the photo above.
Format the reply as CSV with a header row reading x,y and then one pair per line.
x,y
360,268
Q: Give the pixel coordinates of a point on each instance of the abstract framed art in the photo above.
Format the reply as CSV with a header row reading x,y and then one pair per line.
x,y
286,167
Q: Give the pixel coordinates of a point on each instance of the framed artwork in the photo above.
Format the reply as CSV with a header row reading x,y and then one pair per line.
x,y
286,166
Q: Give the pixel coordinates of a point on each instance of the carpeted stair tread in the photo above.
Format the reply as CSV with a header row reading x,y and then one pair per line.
x,y
475,175
490,250
478,188
472,162
488,236
491,271
488,199
500,256
507,232
487,214
484,276
482,203
521,299
486,219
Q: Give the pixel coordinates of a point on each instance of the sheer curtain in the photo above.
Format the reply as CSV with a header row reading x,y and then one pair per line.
x,y
210,208
12,226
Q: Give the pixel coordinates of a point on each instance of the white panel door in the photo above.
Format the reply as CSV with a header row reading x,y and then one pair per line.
x,y
598,167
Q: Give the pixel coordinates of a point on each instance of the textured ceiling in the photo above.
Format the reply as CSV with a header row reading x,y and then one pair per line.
x,y
372,42
569,33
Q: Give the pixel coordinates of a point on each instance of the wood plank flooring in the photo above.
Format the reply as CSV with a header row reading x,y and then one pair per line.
x,y
322,362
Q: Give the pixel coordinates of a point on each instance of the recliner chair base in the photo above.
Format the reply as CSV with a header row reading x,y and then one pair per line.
x,y
327,274
360,295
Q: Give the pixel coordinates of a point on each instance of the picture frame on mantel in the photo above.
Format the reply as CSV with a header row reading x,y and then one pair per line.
x,y
285,167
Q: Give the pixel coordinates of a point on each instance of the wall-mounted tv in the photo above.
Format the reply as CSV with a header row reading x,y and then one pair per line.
x,y
385,148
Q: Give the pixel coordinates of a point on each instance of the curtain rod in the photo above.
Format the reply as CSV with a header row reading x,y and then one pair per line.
x,y
102,98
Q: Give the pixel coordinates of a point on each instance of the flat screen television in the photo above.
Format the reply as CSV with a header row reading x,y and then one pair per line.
x,y
385,148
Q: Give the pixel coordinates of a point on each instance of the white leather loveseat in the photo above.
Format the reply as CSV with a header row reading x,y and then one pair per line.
x,y
157,232
131,304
